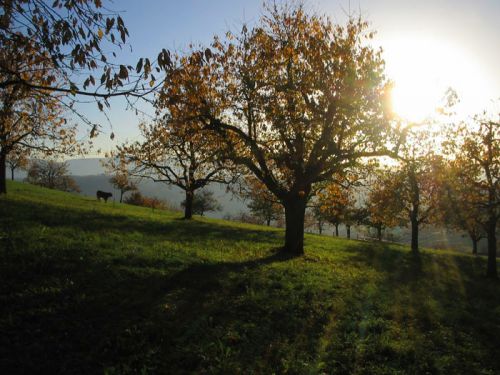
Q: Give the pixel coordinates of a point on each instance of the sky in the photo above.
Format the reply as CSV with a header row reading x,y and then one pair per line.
x,y
428,46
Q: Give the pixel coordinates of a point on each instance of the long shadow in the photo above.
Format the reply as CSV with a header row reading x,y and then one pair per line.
x,y
74,311
447,304
83,317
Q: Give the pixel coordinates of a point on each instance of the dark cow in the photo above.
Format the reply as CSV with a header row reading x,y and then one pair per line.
x,y
104,195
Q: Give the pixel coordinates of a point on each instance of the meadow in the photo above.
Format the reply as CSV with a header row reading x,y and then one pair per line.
x,y
88,288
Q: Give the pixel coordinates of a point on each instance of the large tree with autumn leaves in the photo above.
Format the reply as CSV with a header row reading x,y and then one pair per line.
x,y
295,99
52,54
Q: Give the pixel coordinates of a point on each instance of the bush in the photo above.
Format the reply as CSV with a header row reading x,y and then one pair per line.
x,y
137,199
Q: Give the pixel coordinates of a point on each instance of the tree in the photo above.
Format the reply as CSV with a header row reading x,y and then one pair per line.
x,y
262,203
333,201
32,120
51,174
203,202
476,153
121,181
18,158
459,208
54,54
353,215
416,184
382,213
320,218
184,156
72,37
295,100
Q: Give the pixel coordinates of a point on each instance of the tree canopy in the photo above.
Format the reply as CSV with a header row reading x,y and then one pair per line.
x,y
295,100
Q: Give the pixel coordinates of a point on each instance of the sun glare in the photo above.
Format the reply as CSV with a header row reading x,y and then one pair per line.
x,y
422,70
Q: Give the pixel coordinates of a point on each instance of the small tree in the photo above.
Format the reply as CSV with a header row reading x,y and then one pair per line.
x,y
334,201
416,184
458,206
51,174
203,202
262,203
381,211
121,181
319,217
18,158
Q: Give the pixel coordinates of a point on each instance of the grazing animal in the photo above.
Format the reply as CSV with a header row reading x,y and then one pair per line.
x,y
104,195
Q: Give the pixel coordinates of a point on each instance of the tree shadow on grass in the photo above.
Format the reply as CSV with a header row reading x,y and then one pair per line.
x,y
73,310
436,312
87,316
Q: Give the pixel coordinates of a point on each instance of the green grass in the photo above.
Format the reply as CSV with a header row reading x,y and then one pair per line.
x,y
88,287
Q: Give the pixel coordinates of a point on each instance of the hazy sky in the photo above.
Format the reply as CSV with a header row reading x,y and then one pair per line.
x,y
428,44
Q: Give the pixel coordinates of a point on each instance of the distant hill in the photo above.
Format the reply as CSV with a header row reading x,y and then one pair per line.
x,y
86,167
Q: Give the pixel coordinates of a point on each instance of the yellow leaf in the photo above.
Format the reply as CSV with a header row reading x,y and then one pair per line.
x,y
100,33
151,83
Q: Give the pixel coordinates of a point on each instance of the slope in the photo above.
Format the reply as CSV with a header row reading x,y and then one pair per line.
x,y
88,287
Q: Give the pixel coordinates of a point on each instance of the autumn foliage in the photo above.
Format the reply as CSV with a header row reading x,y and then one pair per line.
x,y
294,100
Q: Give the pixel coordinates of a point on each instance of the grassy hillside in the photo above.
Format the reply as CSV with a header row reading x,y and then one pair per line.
x,y
88,287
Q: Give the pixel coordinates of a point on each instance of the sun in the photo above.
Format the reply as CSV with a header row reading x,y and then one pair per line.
x,y
423,69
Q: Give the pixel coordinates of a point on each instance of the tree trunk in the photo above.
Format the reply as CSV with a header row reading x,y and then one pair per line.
x,y
492,248
379,232
320,228
336,230
12,173
415,205
121,196
3,176
188,207
348,229
414,233
268,222
294,231
474,245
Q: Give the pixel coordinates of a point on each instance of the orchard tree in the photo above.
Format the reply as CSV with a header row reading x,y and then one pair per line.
x,y
61,51
296,99
18,158
184,156
32,120
382,213
459,208
51,174
476,153
262,203
416,184
319,216
334,200
122,181
204,202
